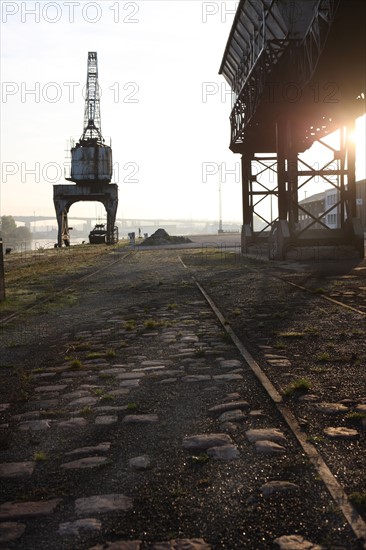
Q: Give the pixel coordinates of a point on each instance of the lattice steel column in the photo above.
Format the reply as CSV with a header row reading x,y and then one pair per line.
x,y
281,141
246,181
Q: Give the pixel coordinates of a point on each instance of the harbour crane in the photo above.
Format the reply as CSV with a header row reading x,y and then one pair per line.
x,y
91,167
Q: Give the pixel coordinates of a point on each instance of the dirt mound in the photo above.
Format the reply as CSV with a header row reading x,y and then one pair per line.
x,y
162,237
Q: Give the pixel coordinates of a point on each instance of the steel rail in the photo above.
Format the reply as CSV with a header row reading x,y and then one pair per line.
x,y
333,486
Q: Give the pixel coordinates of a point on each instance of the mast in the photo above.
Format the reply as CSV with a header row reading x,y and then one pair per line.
x,y
92,122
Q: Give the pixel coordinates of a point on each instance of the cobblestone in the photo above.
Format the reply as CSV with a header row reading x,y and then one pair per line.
x,y
158,400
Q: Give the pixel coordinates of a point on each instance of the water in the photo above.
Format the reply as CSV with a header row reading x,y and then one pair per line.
x,y
37,244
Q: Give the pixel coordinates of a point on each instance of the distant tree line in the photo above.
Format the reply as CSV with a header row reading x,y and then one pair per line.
x,y
9,231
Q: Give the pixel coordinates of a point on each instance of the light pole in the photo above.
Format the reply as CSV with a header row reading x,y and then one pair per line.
x,y
220,203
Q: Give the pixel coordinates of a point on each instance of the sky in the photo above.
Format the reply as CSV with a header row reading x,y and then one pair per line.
x,y
163,104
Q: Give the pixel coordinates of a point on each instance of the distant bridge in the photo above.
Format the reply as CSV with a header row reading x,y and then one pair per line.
x,y
127,222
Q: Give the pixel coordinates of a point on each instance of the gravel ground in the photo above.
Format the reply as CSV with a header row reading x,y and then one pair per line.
x,y
139,340
322,342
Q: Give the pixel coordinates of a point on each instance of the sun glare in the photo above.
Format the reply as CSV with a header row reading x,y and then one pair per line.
x,y
360,141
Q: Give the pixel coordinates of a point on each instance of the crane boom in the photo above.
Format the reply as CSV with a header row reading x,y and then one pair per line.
x,y
92,122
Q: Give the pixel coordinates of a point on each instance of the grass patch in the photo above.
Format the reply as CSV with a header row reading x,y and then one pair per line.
x,y
110,353
94,355
132,406
83,346
76,364
39,456
107,397
302,385
291,334
151,324
54,413
129,325
319,290
279,345
172,306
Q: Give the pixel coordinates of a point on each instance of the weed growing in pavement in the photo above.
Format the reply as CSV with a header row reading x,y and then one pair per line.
x,y
319,290
279,345
123,344
83,346
202,458
105,376
38,370
107,397
129,325
110,353
355,417
132,406
333,510
150,324
39,456
86,410
179,492
98,392
94,355
302,385
323,357
312,330
359,501
76,364
315,439
292,334
236,312
318,370
172,306
23,378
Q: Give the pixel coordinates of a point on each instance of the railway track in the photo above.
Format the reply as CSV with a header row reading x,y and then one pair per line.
x,y
330,480
315,456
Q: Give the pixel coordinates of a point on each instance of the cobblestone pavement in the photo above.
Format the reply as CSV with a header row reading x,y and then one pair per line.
x,y
135,423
